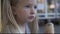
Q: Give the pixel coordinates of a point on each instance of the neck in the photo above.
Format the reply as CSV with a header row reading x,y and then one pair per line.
x,y
21,25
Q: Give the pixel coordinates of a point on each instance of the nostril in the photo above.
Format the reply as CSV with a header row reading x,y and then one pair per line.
x,y
32,13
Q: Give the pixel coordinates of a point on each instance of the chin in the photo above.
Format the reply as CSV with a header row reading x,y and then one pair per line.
x,y
30,20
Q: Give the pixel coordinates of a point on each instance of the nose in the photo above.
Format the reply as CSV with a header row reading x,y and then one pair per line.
x,y
33,11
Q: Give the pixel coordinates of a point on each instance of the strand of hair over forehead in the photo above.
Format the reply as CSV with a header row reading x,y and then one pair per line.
x,y
10,15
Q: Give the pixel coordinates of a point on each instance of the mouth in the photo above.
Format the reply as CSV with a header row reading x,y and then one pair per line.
x,y
31,17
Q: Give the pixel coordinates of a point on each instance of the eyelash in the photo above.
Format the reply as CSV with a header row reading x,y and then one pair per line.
x,y
27,6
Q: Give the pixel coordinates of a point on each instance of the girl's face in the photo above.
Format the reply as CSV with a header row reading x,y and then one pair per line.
x,y
25,10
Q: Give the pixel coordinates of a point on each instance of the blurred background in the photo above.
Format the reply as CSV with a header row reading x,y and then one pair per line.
x,y
48,10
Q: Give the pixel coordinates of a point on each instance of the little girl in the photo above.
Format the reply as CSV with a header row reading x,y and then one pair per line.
x,y
19,16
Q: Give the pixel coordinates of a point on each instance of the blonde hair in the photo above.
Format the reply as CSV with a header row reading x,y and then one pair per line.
x,y
8,18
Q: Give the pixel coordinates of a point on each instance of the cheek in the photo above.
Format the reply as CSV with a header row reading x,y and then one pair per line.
x,y
23,13
26,12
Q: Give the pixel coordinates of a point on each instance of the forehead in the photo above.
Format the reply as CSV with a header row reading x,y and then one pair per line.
x,y
28,1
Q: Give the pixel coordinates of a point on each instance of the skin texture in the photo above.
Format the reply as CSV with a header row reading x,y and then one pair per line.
x,y
22,11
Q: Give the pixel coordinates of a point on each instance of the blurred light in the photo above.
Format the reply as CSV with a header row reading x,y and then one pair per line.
x,y
52,6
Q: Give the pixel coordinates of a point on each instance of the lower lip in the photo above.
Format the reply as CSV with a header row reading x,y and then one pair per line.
x,y
31,17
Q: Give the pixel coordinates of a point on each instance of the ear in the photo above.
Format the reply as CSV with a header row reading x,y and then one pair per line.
x,y
13,10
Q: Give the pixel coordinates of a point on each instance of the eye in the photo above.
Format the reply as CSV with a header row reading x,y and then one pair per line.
x,y
35,7
27,6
